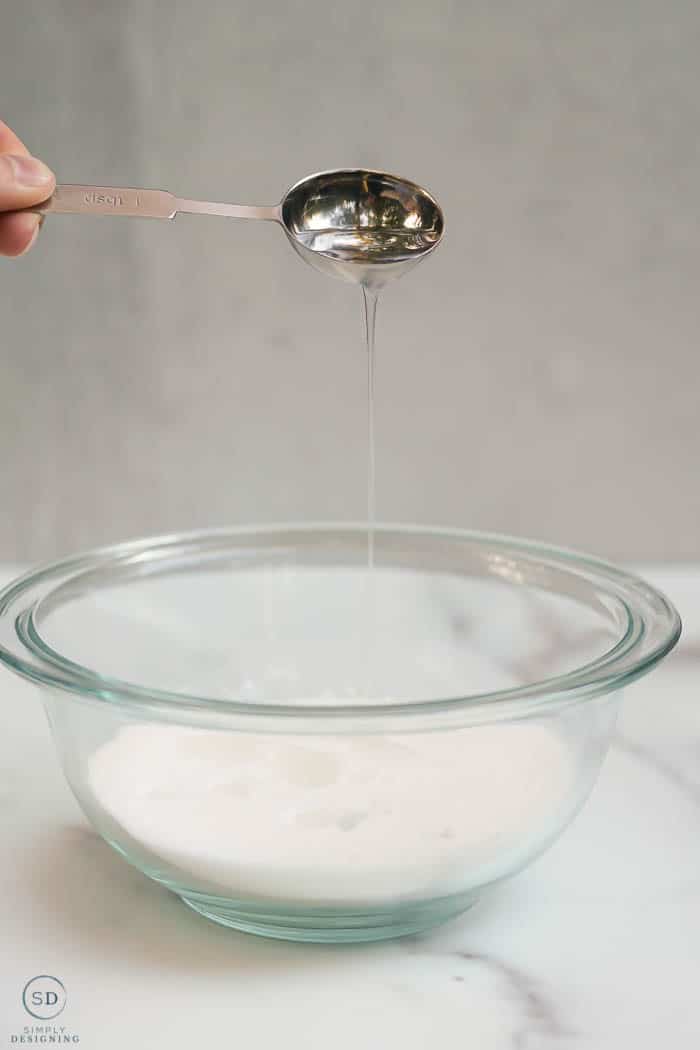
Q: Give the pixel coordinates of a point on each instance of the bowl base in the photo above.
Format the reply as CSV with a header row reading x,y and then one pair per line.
x,y
329,926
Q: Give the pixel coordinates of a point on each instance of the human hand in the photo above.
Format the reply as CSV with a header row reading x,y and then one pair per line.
x,y
24,181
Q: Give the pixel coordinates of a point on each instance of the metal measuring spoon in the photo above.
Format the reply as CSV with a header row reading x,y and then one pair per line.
x,y
363,226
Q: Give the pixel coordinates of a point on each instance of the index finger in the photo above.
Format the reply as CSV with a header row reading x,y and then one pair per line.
x,y
9,143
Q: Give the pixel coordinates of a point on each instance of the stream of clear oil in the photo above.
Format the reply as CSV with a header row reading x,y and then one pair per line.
x,y
351,249
369,299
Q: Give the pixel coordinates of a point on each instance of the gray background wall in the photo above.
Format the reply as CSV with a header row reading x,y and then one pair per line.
x,y
540,375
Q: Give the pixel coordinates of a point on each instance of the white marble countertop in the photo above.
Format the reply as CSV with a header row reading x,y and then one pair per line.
x,y
597,945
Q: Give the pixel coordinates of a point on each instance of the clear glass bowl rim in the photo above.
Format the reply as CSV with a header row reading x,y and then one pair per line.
x,y
653,629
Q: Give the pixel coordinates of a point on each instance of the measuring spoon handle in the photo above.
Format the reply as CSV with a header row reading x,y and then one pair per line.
x,y
148,204
108,200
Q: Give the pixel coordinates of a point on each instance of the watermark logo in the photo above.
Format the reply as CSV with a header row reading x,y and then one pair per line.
x,y
44,997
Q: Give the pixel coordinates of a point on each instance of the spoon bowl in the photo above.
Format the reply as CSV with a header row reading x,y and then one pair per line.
x,y
362,226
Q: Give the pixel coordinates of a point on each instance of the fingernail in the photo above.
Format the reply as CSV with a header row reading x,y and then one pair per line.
x,y
30,172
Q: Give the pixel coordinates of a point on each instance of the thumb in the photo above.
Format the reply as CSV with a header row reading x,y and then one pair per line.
x,y
23,181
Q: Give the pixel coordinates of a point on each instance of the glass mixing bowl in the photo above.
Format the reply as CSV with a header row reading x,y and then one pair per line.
x,y
304,748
